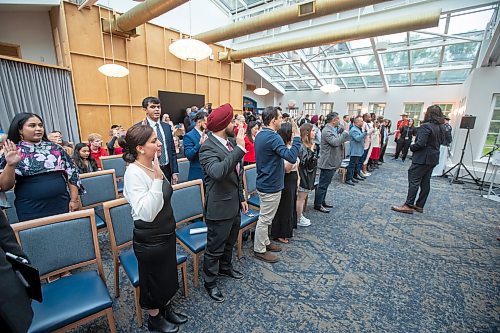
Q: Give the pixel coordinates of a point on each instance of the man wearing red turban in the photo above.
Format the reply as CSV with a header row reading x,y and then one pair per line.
x,y
221,160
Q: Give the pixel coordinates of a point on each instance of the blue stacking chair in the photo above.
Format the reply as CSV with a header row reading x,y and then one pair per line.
x,y
118,214
11,212
183,164
100,186
248,220
56,245
116,163
250,184
187,203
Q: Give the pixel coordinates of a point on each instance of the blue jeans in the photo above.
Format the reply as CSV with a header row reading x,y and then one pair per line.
x,y
361,160
325,178
351,168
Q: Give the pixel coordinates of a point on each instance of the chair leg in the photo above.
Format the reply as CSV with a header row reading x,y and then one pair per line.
x,y
117,278
111,320
240,244
138,310
195,268
184,278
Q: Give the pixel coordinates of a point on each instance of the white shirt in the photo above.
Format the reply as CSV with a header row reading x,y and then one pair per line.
x,y
144,194
165,148
224,142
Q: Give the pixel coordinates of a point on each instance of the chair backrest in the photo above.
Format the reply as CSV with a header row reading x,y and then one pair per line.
x,y
11,212
183,164
61,242
115,162
188,201
99,186
118,215
250,179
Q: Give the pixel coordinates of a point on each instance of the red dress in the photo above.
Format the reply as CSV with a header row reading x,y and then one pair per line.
x,y
250,155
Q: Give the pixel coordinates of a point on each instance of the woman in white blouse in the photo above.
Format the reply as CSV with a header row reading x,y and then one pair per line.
x,y
149,193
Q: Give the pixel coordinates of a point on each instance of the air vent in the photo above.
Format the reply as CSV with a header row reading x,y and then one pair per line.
x,y
307,8
10,50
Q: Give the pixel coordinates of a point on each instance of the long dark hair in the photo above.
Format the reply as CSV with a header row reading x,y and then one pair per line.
x,y
137,135
17,124
285,132
78,159
251,125
434,114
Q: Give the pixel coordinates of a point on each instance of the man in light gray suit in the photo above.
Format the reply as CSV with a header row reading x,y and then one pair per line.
x,y
332,138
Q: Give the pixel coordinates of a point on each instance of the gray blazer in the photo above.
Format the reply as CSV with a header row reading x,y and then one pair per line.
x,y
331,148
224,187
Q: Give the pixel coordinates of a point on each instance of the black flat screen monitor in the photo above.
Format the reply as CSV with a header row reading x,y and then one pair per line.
x,y
175,104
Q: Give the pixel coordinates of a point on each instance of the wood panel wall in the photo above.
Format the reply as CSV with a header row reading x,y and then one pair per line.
x,y
103,101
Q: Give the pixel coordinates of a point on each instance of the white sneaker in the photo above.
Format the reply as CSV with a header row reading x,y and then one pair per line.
x,y
304,222
365,174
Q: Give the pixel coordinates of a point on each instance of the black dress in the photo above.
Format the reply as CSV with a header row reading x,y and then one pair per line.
x,y
155,249
286,217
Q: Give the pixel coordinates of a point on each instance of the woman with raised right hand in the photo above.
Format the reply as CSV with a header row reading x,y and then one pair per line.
x,y
149,194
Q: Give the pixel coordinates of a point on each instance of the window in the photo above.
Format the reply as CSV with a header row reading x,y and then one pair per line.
x,y
446,108
377,108
493,135
326,108
354,109
309,108
292,111
414,110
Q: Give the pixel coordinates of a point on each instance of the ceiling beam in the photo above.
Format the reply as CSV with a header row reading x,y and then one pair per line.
x,y
370,52
87,3
495,39
310,68
265,76
387,72
380,64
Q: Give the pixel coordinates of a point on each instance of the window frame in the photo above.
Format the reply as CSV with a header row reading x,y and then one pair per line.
x,y
370,109
416,120
493,108
324,111
307,110
359,110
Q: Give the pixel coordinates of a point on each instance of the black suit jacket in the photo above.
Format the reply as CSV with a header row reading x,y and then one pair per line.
x,y
15,305
426,147
169,142
224,187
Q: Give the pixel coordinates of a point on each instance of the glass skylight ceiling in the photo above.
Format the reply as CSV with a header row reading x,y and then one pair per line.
x,y
442,55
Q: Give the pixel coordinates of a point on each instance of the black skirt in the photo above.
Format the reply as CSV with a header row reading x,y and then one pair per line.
x,y
286,216
155,249
41,195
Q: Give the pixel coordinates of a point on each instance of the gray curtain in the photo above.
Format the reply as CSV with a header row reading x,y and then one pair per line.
x,y
44,91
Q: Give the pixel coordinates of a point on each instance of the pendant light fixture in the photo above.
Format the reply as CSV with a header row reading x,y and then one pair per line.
x,y
329,88
112,70
190,49
261,91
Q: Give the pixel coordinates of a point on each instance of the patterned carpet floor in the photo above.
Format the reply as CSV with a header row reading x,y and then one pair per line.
x,y
361,268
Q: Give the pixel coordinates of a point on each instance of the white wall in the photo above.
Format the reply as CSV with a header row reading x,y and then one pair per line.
x,y
479,89
30,30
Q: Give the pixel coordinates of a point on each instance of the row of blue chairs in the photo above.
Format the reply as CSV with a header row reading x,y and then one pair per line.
x,y
105,211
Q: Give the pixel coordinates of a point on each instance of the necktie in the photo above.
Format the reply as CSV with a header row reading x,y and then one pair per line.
x,y
163,158
230,148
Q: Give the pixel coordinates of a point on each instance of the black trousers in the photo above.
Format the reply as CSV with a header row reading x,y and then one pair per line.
x,y
352,169
221,237
167,172
325,178
402,148
382,153
419,176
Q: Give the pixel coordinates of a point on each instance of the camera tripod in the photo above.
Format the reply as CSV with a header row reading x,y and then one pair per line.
x,y
460,165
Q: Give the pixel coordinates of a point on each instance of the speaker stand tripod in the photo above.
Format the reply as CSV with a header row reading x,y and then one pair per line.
x,y
460,165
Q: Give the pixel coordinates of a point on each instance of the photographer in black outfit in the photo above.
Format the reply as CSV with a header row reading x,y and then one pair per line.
x,y
425,156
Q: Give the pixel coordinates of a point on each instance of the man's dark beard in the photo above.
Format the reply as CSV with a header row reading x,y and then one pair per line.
x,y
229,132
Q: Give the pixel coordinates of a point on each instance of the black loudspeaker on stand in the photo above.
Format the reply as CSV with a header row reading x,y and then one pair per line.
x,y
468,123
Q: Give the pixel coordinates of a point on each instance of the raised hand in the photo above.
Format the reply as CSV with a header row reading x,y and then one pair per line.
x,y
156,167
203,137
295,129
240,138
12,156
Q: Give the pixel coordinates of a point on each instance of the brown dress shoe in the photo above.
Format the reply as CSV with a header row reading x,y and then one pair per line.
x,y
266,256
273,248
416,208
402,209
